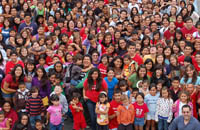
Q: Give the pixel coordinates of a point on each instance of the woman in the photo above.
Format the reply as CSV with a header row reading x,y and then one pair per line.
x,y
135,79
117,64
41,81
22,123
10,82
92,87
10,113
6,29
122,47
29,72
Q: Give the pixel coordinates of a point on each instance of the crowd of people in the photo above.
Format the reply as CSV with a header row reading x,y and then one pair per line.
x,y
106,64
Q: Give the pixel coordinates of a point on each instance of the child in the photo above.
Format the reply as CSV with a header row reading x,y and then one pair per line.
x,y
151,100
58,81
20,98
159,85
4,122
164,109
123,86
103,65
145,87
111,82
54,112
77,112
129,66
135,91
141,110
125,114
34,106
175,88
184,99
112,113
102,108
39,125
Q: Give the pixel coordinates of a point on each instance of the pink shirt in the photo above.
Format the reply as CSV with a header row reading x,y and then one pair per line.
x,y
55,114
3,123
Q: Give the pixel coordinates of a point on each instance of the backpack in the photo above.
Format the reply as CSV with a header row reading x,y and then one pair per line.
x,y
68,73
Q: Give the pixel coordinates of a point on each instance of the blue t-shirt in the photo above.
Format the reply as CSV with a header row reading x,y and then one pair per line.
x,y
151,102
189,81
111,86
5,34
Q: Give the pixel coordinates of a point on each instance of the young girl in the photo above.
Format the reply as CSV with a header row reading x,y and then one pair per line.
x,y
103,65
151,100
184,99
102,108
54,112
123,86
77,112
134,93
4,122
145,87
141,110
111,82
164,109
42,61
129,66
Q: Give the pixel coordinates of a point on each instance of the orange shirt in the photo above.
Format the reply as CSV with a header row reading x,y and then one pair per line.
x,y
126,116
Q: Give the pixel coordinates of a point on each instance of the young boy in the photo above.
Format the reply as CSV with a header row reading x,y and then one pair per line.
x,y
135,91
77,112
34,106
112,113
20,98
125,114
175,88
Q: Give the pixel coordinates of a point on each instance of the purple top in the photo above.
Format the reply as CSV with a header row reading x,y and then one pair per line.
x,y
43,92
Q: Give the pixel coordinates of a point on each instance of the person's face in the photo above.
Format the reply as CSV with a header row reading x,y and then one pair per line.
x,y
126,61
86,61
145,86
167,52
24,120
52,78
160,59
142,72
153,91
131,49
175,83
13,57
139,99
55,59
125,102
110,74
6,107
165,94
117,97
56,103
122,44
189,72
95,75
30,67
189,24
102,99
104,60
153,50
173,61
190,88
58,67
186,112
197,57
172,26
149,65
39,73
118,63
2,117
183,97
38,126
27,19
95,57
179,19
41,61
58,90
22,87
158,72
18,72
197,45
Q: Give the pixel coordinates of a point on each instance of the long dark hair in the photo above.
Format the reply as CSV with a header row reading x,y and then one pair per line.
x,y
194,77
112,64
21,77
44,78
32,62
140,67
91,81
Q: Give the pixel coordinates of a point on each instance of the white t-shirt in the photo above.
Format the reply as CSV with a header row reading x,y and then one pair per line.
x,y
180,108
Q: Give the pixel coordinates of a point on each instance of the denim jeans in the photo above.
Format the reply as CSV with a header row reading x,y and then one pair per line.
x,y
162,124
91,108
55,127
33,119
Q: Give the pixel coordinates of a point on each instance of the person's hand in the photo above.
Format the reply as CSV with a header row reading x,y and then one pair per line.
x,y
85,98
47,122
116,113
42,114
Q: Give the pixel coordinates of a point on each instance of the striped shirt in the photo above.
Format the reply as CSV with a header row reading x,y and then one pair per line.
x,y
34,106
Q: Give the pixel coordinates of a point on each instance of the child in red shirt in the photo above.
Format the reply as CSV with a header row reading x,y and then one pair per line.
x,y
103,65
112,113
141,110
77,112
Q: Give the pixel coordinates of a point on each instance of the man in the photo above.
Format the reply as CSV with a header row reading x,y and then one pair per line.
x,y
186,121
28,24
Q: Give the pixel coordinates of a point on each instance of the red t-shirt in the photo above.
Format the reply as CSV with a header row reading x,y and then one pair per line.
x,y
138,59
13,116
187,34
168,35
140,110
10,65
179,25
181,60
77,116
93,94
112,110
49,60
103,70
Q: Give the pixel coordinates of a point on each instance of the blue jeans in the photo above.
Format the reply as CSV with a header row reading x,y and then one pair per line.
x,y
33,119
162,124
55,127
91,108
